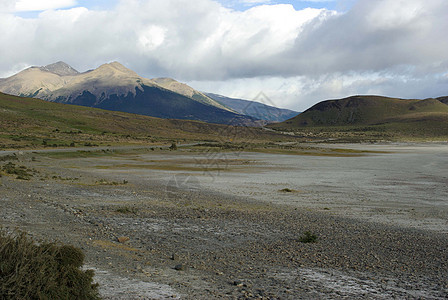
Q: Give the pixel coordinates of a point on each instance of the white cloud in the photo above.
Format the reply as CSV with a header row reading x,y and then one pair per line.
x,y
7,6
301,92
151,37
295,56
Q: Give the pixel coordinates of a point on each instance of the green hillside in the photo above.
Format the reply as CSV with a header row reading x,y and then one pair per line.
x,y
34,123
373,116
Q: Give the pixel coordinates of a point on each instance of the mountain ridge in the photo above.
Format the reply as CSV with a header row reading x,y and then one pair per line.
x,y
255,109
113,86
188,91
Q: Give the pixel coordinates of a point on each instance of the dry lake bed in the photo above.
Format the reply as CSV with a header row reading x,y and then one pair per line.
x,y
201,223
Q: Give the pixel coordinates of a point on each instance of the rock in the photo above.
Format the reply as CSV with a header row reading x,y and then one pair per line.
x,y
123,239
238,283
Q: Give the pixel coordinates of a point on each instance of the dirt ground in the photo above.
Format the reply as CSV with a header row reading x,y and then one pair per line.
x,y
191,224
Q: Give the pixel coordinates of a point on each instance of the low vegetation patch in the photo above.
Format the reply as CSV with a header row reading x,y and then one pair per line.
x,y
65,178
107,182
126,210
224,146
44,271
21,172
8,158
308,237
288,190
74,154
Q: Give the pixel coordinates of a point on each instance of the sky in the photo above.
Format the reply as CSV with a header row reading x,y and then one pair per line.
x,y
296,52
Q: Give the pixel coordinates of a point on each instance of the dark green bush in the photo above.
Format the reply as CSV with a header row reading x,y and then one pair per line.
x,y
308,237
173,146
126,210
45,271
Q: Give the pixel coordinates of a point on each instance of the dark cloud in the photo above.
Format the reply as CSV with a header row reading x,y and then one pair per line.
x,y
375,36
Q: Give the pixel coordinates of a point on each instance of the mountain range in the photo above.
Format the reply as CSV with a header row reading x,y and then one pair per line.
x,y
255,109
115,87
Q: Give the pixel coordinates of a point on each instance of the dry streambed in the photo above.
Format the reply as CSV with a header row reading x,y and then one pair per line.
x,y
151,235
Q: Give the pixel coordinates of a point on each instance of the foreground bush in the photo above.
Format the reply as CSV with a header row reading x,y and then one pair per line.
x,y
45,271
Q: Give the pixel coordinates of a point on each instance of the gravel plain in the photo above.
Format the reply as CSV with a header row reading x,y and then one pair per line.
x,y
198,225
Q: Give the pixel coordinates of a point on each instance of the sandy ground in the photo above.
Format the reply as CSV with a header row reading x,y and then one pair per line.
x,y
407,186
205,225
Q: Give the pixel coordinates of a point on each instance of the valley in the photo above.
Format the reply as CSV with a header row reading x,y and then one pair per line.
x,y
345,200
204,222
239,149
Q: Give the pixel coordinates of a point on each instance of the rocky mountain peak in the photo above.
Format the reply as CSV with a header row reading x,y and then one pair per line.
x,y
60,68
115,70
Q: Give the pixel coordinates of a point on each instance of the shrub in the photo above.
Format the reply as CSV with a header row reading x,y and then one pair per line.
x,y
308,237
45,271
173,146
22,172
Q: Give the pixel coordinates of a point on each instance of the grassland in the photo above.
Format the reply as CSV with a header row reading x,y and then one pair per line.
x,y
33,123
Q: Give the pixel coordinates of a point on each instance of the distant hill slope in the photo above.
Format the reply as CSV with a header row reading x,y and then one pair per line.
x,y
115,87
365,110
443,99
255,109
407,117
27,122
